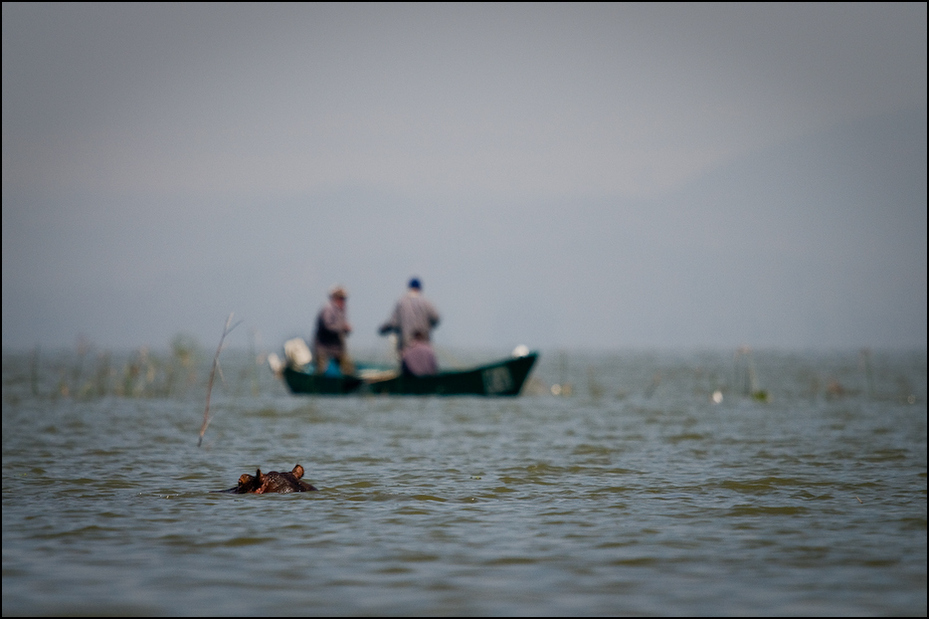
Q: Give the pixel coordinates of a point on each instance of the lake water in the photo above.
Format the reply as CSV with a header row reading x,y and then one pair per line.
x,y
698,483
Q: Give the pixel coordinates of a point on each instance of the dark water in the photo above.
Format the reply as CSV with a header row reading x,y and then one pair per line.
x,y
802,491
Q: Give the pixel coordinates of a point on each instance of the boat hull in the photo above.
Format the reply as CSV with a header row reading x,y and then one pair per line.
x,y
503,378
303,382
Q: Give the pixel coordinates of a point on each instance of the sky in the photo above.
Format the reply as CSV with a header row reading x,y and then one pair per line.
x,y
563,176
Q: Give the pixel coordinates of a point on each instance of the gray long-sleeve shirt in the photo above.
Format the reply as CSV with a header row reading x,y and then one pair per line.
x,y
412,313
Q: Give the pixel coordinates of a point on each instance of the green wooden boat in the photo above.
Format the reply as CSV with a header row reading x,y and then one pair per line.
x,y
307,382
501,378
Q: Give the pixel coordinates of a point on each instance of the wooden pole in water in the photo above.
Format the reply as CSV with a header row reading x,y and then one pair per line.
x,y
209,387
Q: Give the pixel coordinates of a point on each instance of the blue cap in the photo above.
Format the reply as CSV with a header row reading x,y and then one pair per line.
x,y
414,283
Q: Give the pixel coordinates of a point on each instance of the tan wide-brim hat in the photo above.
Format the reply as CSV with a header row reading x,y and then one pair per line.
x,y
338,292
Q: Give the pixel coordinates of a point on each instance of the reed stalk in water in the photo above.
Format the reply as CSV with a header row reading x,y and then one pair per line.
x,y
209,387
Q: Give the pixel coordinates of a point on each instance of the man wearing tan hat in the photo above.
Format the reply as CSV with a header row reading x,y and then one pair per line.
x,y
332,329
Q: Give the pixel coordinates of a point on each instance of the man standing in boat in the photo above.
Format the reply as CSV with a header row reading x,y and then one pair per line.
x,y
413,313
332,329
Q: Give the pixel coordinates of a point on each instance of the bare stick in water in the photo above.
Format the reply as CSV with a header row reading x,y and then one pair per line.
x,y
209,387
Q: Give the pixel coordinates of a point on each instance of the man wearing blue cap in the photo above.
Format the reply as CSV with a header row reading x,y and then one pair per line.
x,y
412,314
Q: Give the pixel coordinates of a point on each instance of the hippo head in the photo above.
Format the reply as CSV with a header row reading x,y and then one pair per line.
x,y
271,482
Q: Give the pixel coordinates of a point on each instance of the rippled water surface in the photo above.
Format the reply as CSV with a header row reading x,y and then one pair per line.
x,y
667,484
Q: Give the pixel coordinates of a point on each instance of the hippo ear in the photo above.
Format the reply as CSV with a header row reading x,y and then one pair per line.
x,y
298,471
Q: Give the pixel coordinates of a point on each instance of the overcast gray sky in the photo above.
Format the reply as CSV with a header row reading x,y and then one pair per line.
x,y
584,176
